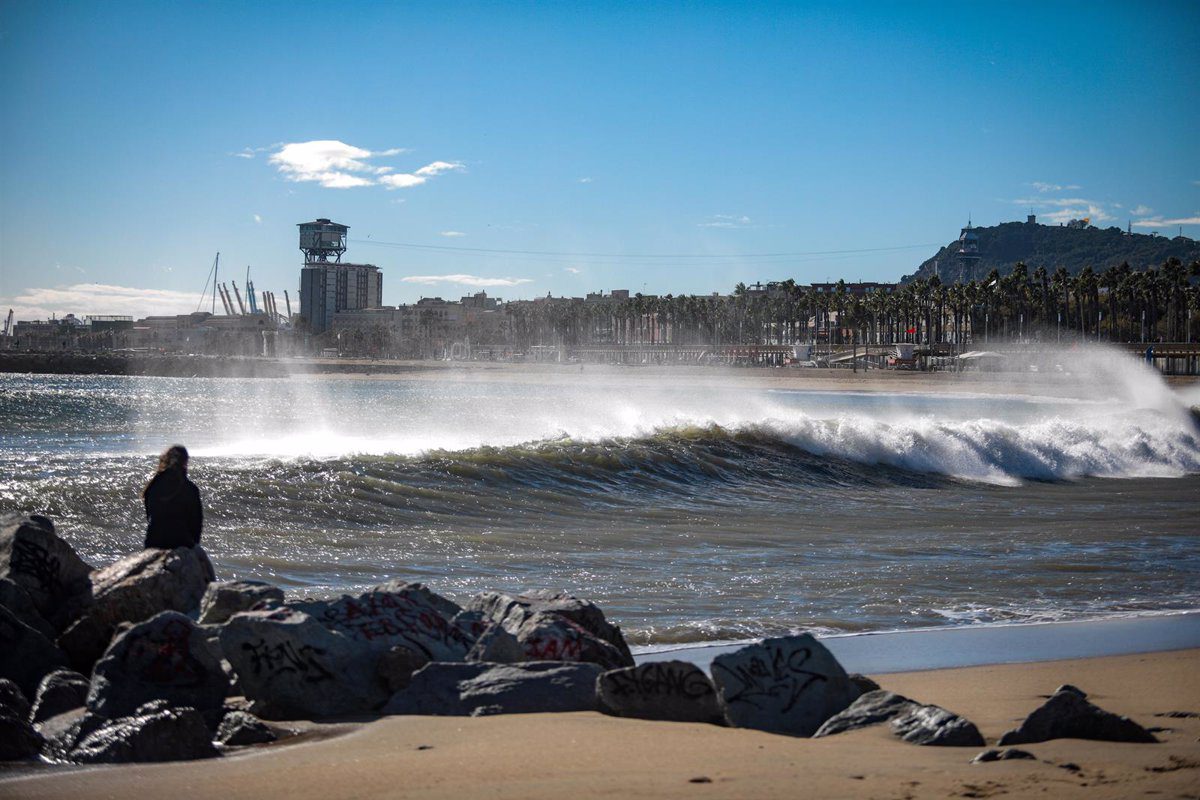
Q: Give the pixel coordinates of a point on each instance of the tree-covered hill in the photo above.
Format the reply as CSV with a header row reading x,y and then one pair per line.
x,y
1052,246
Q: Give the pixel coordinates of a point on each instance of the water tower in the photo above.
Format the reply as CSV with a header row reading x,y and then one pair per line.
x,y
322,241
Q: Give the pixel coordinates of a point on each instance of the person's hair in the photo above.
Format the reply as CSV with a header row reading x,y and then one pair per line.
x,y
175,456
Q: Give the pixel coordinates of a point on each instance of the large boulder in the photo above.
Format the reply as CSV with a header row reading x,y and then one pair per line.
x,y
291,666
475,689
869,709
786,685
444,605
512,611
411,616
552,637
152,733
135,588
25,654
1069,715
395,668
34,557
13,702
59,692
222,600
20,604
164,658
670,690
935,726
61,733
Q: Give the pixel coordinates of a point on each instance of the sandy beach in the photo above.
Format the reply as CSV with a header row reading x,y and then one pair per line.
x,y
592,755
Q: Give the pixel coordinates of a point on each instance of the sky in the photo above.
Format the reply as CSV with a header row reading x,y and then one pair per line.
x,y
568,148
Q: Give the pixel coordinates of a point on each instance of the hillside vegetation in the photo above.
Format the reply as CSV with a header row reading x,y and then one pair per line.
x,y
1051,247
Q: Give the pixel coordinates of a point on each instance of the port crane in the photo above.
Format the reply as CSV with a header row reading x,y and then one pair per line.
x,y
8,323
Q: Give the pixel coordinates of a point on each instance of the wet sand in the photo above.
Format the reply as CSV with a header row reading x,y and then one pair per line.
x,y
591,755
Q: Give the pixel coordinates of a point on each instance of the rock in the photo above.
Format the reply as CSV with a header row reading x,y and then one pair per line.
x,y
163,658
544,636
395,668
20,604
60,734
153,734
12,700
291,666
59,692
935,726
869,709
222,600
239,728
511,611
26,655
496,646
1066,687
18,740
1008,754
133,589
678,691
411,616
1068,715
444,606
787,685
461,689
46,567
863,683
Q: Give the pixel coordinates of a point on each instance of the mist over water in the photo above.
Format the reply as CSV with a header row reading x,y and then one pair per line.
x,y
694,509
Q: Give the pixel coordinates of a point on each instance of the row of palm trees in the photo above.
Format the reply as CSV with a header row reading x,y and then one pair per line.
x,y
1118,304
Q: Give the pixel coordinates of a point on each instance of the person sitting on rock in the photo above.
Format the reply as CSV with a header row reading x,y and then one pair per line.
x,y
172,503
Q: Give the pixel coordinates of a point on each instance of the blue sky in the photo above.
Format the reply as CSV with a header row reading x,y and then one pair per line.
x,y
642,146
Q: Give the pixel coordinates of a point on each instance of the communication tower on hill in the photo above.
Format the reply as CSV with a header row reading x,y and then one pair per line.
x,y
322,241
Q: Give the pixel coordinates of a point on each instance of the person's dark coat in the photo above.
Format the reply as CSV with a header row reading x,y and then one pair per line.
x,y
173,511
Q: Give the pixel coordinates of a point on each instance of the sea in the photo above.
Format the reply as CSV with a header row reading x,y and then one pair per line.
x,y
705,508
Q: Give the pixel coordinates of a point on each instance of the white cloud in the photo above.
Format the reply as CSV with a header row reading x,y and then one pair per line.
x,y
1158,222
585,180
452,234
337,165
82,299
465,280
1042,186
726,221
1140,210
572,270
1068,208
258,219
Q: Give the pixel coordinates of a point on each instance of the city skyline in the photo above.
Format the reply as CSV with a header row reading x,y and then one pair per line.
x,y
570,150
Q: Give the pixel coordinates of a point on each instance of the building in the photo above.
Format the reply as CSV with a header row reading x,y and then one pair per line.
x,y
329,286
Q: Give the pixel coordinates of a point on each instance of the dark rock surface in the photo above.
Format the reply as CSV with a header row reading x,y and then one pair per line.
x,y
376,621
443,605
511,611
13,702
239,728
18,739
545,636
290,666
395,668
466,689
133,589
60,734
1068,715
222,600
33,556
871,708
495,645
863,683
26,655
153,733
935,726
678,691
59,692
20,604
787,685
163,658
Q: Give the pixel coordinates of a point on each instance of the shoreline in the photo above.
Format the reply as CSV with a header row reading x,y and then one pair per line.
x,y
979,644
587,754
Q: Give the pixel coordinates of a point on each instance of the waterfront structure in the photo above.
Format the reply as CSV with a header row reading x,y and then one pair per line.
x,y
328,286
968,255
